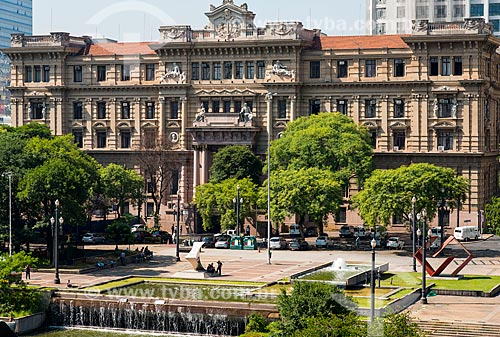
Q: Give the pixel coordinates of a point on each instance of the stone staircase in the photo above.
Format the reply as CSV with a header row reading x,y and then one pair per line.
x,y
462,329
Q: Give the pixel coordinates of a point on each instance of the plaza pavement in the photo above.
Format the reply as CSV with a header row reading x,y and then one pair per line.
x,y
252,266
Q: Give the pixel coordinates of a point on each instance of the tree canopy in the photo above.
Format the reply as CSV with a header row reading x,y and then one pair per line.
x,y
329,141
390,192
306,191
217,199
493,215
236,162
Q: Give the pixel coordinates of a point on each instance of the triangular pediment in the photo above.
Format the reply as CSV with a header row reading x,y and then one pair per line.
x,y
398,125
370,125
444,125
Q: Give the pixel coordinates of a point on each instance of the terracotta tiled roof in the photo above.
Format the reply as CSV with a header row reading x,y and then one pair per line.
x,y
125,48
363,42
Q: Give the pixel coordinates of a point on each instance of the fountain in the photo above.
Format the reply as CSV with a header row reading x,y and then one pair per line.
x,y
341,273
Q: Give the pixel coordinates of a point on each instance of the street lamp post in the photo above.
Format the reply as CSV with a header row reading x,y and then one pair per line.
x,y
373,243
269,100
56,224
413,232
9,175
424,249
177,236
441,211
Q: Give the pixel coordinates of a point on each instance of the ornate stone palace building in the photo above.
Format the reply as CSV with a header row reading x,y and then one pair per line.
x,y
432,96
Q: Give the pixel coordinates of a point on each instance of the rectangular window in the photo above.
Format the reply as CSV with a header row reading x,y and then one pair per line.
x,y
77,74
150,72
125,139
341,216
401,12
78,138
445,108
237,106
46,74
315,69
373,138
445,66
342,68
174,110
422,12
476,10
400,27
457,65
175,182
458,11
125,72
215,106
228,70
238,70
494,9
37,110
370,68
77,110
217,71
227,107
282,108
440,11
399,140
445,140
195,71
261,69
342,106
381,13
496,25
434,66
314,106
101,110
150,209
399,68
370,108
250,73
28,74
101,73
399,108
149,139
205,71
101,139
380,28
150,110
37,74
125,110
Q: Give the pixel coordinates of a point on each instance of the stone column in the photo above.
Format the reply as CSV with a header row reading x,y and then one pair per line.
x,y
184,122
293,108
196,167
162,117
58,120
204,165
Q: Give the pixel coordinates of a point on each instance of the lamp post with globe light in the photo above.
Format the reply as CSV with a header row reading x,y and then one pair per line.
x,y
423,300
414,232
56,226
373,244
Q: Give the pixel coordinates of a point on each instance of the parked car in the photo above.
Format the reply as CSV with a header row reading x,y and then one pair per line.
x,y
142,237
346,231
395,242
278,242
298,244
223,241
208,241
359,231
324,241
295,230
311,231
137,228
162,236
93,238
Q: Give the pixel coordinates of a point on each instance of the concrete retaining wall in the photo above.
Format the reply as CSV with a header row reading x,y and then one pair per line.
x,y
27,324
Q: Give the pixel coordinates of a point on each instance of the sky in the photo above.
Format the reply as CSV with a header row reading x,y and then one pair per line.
x,y
139,20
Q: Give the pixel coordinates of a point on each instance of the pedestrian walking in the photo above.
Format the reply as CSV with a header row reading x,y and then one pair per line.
x,y
122,258
28,272
173,228
219,268
357,242
247,230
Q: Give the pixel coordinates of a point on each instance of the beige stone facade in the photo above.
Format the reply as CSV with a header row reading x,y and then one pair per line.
x,y
432,96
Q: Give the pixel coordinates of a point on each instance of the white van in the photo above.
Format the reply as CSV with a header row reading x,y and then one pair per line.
x,y
466,233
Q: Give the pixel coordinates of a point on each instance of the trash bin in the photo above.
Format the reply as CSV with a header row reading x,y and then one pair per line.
x,y
250,243
236,242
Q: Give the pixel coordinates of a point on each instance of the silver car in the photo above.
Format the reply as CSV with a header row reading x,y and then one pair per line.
x,y
278,243
324,242
93,238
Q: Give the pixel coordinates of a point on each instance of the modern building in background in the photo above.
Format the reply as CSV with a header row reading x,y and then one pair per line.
x,y
396,16
15,18
431,96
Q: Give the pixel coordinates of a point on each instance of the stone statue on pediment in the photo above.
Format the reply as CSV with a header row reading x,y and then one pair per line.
x,y
200,116
246,114
173,73
435,107
279,69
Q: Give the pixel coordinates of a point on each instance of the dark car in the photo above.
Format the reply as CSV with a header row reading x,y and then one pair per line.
x,y
298,244
208,241
161,236
346,231
311,232
142,237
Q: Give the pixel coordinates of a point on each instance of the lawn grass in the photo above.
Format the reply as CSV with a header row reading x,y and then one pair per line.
x,y
468,282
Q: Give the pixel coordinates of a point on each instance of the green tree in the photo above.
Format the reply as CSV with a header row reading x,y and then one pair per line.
x,y
401,325
307,191
348,325
329,141
256,323
217,199
120,185
119,231
390,192
308,300
493,215
236,162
